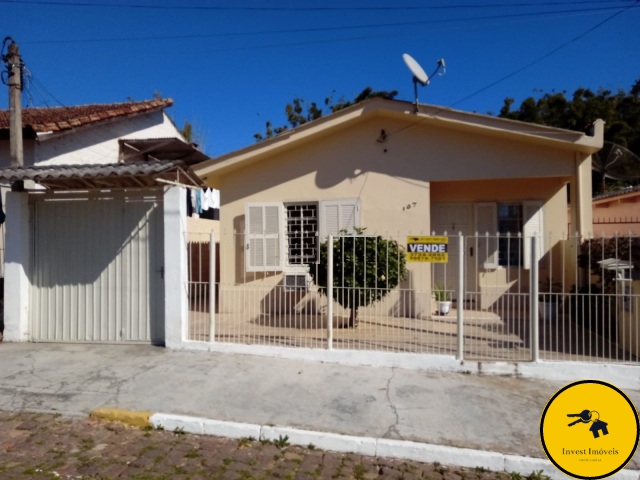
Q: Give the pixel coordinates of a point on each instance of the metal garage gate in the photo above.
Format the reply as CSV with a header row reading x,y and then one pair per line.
x,y
97,274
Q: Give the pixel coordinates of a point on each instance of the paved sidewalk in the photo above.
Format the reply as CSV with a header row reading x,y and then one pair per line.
x,y
47,446
481,413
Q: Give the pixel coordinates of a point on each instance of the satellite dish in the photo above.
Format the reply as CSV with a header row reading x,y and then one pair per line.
x,y
419,75
616,162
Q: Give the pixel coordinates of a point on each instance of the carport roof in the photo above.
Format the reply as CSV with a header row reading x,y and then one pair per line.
x,y
160,149
104,176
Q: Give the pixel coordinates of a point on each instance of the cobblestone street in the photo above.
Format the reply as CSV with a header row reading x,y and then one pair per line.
x,y
46,446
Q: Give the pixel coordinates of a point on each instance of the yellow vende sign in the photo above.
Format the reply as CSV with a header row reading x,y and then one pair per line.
x,y
589,429
428,249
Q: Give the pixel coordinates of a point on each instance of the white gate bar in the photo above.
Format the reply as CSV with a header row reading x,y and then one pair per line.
x,y
330,293
461,292
212,287
533,301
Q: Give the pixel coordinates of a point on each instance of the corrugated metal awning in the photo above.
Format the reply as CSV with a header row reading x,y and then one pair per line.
x,y
160,149
105,176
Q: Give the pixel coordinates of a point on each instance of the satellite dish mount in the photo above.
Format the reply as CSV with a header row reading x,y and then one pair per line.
x,y
419,75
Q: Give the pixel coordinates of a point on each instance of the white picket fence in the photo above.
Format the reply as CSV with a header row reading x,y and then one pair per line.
x,y
584,310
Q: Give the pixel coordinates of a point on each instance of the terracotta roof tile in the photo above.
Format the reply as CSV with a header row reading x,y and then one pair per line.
x,y
63,118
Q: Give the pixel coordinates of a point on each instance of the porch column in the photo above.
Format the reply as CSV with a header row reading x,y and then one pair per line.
x,y
17,268
176,308
581,197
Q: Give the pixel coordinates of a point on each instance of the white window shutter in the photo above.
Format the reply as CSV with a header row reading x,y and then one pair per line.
x,y
487,223
263,237
533,226
338,215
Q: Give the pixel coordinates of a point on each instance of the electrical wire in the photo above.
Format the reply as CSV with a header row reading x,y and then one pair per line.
x,y
633,4
466,20
38,94
523,68
138,6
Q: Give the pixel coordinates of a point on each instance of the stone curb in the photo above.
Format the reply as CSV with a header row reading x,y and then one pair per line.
x,y
369,446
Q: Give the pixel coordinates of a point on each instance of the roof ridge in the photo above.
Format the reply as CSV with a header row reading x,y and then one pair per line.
x,y
54,119
156,102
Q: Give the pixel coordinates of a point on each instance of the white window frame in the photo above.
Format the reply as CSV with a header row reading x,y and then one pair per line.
x,y
347,219
346,216
276,262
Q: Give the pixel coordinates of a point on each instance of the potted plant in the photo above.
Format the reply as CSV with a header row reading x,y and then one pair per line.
x,y
549,300
443,297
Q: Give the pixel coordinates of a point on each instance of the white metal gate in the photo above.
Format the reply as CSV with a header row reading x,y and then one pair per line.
x,y
97,272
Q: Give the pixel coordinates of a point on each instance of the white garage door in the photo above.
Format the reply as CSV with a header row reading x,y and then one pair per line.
x,y
97,274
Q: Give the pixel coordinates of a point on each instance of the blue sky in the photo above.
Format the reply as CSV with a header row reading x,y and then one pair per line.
x,y
231,66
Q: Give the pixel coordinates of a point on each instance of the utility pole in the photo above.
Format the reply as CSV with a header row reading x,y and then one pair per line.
x,y
14,82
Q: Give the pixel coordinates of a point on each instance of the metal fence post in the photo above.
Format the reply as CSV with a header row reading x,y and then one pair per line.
x,y
330,293
533,302
212,287
461,293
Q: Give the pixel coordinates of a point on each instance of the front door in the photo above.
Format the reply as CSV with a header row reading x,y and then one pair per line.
x,y
452,219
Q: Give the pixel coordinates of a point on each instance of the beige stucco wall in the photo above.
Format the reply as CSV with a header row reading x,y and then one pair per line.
x,y
397,179
199,229
389,176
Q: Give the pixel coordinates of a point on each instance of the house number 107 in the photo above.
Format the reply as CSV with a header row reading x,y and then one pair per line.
x,y
410,206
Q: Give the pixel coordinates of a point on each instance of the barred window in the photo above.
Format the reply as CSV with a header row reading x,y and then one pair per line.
x,y
302,233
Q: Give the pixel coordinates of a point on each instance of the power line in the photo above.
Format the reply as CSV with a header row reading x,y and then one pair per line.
x,y
525,67
43,92
548,54
138,6
332,29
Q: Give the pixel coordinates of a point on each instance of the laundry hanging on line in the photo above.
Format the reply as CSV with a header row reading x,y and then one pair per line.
x,y
203,203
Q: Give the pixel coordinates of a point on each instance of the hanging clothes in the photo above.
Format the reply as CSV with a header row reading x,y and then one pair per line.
x,y
215,198
207,199
189,204
198,195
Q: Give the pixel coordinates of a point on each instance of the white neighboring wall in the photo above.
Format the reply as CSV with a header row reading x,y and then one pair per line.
x,y
176,303
17,266
98,144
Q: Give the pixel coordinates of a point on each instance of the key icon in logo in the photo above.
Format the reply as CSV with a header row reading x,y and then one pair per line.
x,y
590,416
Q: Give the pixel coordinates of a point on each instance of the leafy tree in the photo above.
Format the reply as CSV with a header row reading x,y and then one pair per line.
x,y
620,110
365,270
299,112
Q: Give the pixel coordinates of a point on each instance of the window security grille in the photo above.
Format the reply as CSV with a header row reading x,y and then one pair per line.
x,y
302,234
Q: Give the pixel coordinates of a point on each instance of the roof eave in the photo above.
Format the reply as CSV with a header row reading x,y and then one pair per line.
x,y
427,115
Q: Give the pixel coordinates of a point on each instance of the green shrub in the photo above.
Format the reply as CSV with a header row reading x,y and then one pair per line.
x,y
365,270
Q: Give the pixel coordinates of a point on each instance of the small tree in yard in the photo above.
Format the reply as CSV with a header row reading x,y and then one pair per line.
x,y
365,269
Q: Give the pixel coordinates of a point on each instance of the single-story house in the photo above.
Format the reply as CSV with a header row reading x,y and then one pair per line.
x,y
399,171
